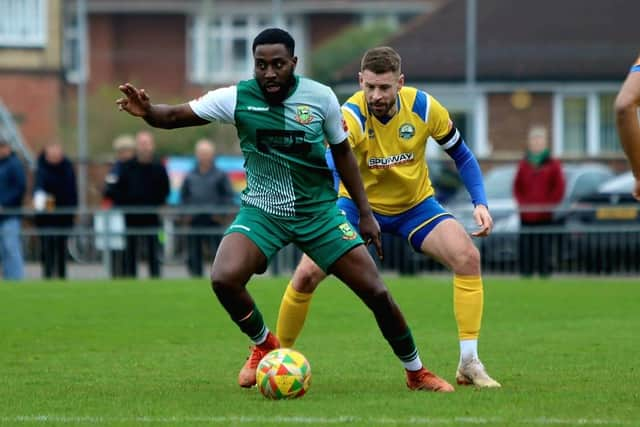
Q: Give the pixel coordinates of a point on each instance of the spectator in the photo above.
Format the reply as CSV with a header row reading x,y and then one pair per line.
x,y
124,147
538,188
12,187
55,187
205,188
144,184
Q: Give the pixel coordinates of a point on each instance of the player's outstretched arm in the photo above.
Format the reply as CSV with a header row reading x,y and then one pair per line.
x,y
137,103
626,105
347,167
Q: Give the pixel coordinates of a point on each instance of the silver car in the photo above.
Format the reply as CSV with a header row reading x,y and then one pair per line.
x,y
500,249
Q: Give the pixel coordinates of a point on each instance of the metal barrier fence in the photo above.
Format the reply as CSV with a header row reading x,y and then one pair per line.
x,y
569,247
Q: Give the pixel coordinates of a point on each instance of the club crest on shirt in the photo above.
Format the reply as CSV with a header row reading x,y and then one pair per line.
x,y
371,133
303,114
406,131
347,231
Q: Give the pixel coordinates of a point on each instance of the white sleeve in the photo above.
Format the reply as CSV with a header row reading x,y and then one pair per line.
x,y
216,105
335,128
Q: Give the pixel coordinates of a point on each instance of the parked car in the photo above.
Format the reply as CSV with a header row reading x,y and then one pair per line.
x,y
501,247
605,227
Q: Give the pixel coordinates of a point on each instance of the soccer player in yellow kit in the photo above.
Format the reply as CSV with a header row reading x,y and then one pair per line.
x,y
389,126
627,103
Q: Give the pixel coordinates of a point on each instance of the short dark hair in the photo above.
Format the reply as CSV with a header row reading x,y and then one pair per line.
x,y
275,36
381,60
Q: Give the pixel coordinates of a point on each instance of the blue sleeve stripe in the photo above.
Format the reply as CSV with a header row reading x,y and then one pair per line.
x,y
470,172
356,112
420,105
635,68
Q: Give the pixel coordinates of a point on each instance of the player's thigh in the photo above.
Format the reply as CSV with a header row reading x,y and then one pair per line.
x,y
418,222
358,271
447,242
248,245
237,259
325,237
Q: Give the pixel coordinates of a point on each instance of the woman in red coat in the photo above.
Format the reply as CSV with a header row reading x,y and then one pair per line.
x,y
538,188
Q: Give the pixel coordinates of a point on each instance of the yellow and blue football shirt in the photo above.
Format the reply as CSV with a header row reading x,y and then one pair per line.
x,y
391,155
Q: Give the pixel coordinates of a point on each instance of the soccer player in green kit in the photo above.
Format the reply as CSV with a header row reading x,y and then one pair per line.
x,y
283,121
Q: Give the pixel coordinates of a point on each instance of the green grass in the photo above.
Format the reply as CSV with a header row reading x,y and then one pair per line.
x,y
165,353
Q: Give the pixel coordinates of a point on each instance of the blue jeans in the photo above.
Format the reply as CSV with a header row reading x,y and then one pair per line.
x,y
11,249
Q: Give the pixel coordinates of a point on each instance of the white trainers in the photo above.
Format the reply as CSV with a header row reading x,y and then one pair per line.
x,y
472,372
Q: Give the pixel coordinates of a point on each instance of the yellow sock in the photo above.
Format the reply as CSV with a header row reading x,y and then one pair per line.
x,y
467,305
292,314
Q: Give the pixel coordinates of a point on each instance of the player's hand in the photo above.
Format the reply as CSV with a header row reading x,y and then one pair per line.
x,y
484,221
636,190
370,232
136,101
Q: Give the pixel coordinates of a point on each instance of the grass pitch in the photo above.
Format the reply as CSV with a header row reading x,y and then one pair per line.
x,y
165,353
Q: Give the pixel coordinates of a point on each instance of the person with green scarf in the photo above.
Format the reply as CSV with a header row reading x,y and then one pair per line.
x,y
539,187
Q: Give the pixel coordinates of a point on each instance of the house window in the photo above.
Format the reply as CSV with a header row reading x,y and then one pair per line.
x,y
575,124
390,19
23,23
609,141
71,50
220,46
584,124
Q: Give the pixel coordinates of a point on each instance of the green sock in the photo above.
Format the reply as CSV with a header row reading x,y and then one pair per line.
x,y
404,347
253,325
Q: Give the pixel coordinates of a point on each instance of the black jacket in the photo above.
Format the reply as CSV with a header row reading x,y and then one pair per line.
x,y
59,181
141,184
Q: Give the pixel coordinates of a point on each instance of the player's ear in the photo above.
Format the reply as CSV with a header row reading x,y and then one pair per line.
x,y
360,80
294,59
400,81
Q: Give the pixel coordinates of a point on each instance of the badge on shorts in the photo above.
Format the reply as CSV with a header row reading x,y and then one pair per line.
x,y
303,114
347,231
407,131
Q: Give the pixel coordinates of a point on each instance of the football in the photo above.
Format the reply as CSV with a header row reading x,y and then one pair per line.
x,y
283,374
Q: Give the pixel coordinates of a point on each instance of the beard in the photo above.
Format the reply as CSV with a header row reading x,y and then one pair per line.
x,y
279,96
380,110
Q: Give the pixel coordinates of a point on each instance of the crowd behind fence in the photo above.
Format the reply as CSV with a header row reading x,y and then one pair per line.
x,y
576,248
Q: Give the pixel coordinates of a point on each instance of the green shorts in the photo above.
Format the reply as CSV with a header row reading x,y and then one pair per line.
x,y
324,237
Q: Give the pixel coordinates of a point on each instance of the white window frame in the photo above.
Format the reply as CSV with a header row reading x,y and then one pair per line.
x,y
71,49
23,23
200,34
593,143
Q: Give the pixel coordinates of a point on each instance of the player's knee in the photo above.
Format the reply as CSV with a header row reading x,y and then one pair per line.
x,y
220,280
379,299
307,278
467,261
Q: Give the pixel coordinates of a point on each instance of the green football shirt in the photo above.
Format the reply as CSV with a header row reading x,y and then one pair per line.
x,y
283,145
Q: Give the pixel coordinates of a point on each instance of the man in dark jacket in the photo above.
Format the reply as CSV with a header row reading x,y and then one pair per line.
x,y
124,147
55,183
144,185
12,187
205,188
538,188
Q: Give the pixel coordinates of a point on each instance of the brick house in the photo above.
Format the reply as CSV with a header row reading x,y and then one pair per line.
x,y
31,66
558,63
177,48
